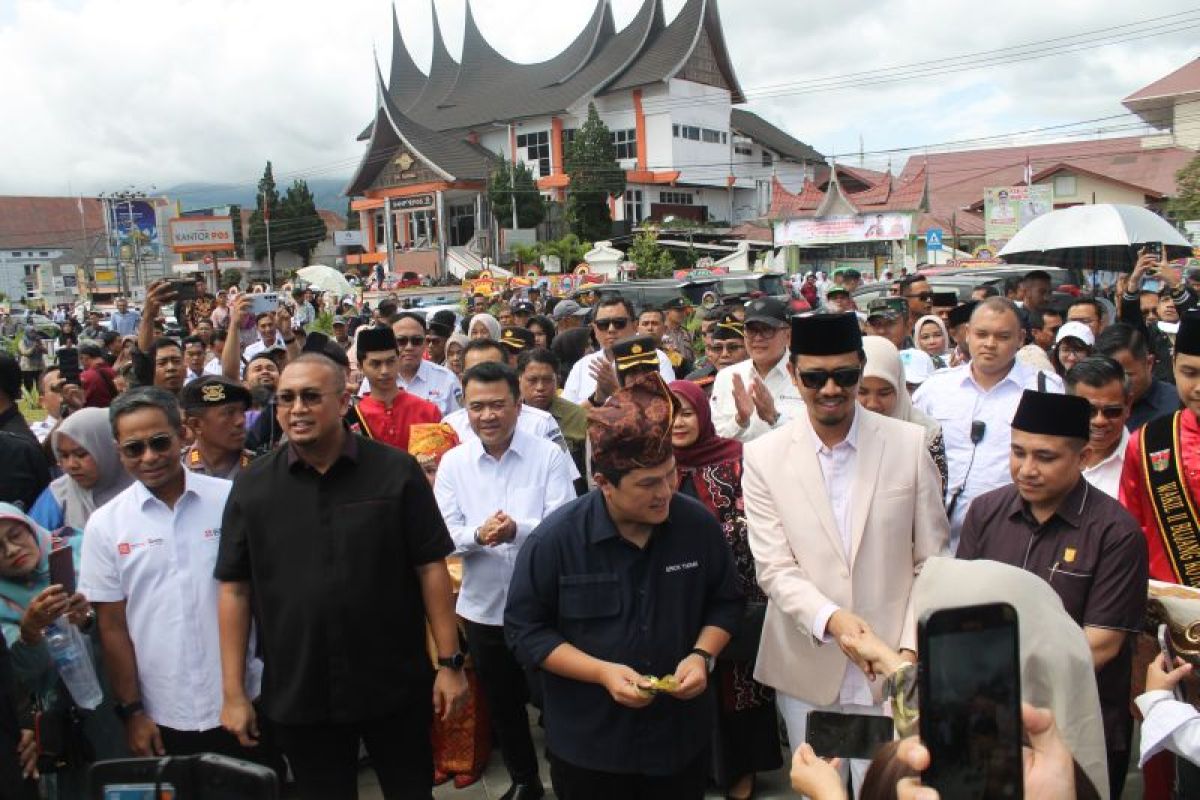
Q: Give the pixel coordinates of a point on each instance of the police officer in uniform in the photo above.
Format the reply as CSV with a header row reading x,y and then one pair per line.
x,y
215,412
728,347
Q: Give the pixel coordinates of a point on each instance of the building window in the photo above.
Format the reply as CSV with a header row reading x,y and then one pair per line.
x,y
710,136
675,130
724,137
633,206
676,198
537,150
743,150
767,158
16,254
1065,186
689,132
625,143
44,254
380,233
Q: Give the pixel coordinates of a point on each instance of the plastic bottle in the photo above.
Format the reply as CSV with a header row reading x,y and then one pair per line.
x,y
70,654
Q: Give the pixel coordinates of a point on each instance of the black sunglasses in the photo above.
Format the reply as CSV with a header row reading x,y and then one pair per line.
x,y
1108,412
925,296
613,323
404,341
159,443
844,377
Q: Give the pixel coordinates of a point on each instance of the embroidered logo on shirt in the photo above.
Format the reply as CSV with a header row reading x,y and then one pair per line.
x,y
125,548
1160,460
680,567
212,533
1069,555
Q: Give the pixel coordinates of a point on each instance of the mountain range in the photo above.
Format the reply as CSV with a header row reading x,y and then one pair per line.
x,y
326,191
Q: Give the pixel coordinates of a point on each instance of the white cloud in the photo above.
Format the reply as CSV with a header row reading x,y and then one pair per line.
x,y
100,94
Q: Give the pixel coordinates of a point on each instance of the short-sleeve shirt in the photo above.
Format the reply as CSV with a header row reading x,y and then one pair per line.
x,y
1091,552
578,581
331,559
160,561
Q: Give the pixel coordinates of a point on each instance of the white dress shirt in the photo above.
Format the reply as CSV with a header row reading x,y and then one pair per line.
x,y
581,385
788,403
257,346
954,399
527,482
1168,724
434,383
837,469
43,427
533,421
160,562
1106,476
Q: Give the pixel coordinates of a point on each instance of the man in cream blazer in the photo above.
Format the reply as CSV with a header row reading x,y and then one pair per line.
x,y
843,507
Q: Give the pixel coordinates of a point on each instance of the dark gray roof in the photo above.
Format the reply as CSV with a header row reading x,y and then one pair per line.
x,y
773,138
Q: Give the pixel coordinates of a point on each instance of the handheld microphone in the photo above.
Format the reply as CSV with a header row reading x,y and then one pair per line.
x,y
978,429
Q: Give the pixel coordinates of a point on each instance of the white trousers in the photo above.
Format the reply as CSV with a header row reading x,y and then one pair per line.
x,y
795,717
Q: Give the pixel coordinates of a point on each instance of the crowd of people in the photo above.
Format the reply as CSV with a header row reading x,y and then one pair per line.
x,y
674,532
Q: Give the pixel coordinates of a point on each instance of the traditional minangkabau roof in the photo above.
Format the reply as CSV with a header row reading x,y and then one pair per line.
x,y
1154,103
885,193
763,132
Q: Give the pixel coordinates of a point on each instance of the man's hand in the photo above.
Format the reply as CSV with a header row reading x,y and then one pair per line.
x,y
814,777
78,609
764,403
692,674
605,377
867,648
449,692
143,736
239,718
490,530
1159,679
622,684
506,529
27,754
158,294
742,401
72,396
846,624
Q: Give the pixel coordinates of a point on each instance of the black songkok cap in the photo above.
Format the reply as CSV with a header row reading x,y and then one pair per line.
x,y
961,315
826,334
1049,414
1187,340
635,351
945,299
372,340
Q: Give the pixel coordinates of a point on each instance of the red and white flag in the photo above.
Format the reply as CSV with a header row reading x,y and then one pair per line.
x,y
1028,171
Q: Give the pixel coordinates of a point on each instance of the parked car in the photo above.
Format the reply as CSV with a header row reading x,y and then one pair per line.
x,y
1064,283
735,287
652,293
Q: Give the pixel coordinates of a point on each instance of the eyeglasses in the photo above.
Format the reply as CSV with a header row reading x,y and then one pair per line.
x,y
924,296
844,377
612,323
727,347
404,341
307,397
755,331
159,443
1108,412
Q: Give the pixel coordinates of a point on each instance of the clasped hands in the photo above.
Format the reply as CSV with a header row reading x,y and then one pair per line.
x,y
497,529
860,644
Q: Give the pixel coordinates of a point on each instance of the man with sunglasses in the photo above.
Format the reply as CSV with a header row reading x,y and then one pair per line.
x,y
916,290
843,506
593,379
725,346
387,412
147,563
756,395
418,375
1103,383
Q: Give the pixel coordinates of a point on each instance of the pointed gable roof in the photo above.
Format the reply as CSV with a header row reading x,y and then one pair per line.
x,y
1155,103
443,71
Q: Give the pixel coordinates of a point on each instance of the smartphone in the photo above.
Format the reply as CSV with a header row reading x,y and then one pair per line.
x,y
68,364
833,735
62,568
184,290
969,683
1152,285
264,303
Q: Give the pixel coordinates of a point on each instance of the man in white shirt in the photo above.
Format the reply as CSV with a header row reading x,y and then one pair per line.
x,y
1102,382
975,403
268,336
756,395
1167,722
493,491
147,567
418,375
593,378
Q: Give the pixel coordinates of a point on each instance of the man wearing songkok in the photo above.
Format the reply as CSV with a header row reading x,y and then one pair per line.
x,y
843,506
387,412
1052,522
623,598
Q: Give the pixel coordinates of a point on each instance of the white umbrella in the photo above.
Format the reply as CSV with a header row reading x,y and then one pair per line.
x,y
325,279
1100,236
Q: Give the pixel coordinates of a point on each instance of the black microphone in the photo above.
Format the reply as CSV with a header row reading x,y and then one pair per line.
x,y
978,429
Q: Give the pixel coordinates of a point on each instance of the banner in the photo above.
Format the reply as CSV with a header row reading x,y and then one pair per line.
x,y
838,230
1007,209
135,224
201,234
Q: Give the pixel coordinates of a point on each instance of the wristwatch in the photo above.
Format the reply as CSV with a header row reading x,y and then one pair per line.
x,y
709,660
126,710
454,662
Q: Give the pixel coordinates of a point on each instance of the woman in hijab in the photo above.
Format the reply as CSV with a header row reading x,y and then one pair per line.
x,y
484,326
709,469
92,471
931,336
883,391
455,346
28,604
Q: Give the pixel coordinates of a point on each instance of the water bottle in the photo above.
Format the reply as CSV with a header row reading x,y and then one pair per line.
x,y
70,654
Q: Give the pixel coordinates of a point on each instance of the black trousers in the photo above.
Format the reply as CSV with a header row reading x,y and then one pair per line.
x,y
577,783
507,692
324,757
224,743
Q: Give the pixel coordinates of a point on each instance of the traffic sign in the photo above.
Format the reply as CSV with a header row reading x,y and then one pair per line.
x,y
933,239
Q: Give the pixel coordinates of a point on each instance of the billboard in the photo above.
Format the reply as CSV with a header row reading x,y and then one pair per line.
x,y
201,234
134,224
838,230
1007,209
348,238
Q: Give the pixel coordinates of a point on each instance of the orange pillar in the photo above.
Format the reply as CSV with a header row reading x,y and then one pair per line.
x,y
639,125
556,146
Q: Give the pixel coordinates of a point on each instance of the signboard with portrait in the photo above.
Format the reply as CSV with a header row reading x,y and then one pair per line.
x,y
134,224
838,230
1007,209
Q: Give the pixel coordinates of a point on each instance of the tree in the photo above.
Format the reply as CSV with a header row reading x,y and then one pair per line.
x,y
505,185
302,227
653,260
231,277
267,204
239,238
591,161
1186,205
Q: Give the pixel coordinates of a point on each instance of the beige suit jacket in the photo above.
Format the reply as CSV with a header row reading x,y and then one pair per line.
x,y
897,522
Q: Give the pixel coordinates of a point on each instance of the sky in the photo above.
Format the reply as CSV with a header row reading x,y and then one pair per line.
x,y
101,95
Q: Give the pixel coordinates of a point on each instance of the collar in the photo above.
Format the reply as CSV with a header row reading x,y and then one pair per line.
x,y
422,373
349,450
1116,455
1015,376
850,441
144,495
600,526
1070,509
517,445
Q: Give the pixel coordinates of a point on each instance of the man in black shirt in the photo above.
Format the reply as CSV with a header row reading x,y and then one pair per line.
x,y
629,582
1152,398
24,472
337,544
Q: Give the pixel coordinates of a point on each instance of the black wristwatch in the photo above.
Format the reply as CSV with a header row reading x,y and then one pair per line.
x,y
454,662
126,710
709,660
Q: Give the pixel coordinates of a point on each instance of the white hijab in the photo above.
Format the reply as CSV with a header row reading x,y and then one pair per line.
x,y
883,362
488,321
89,428
935,319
